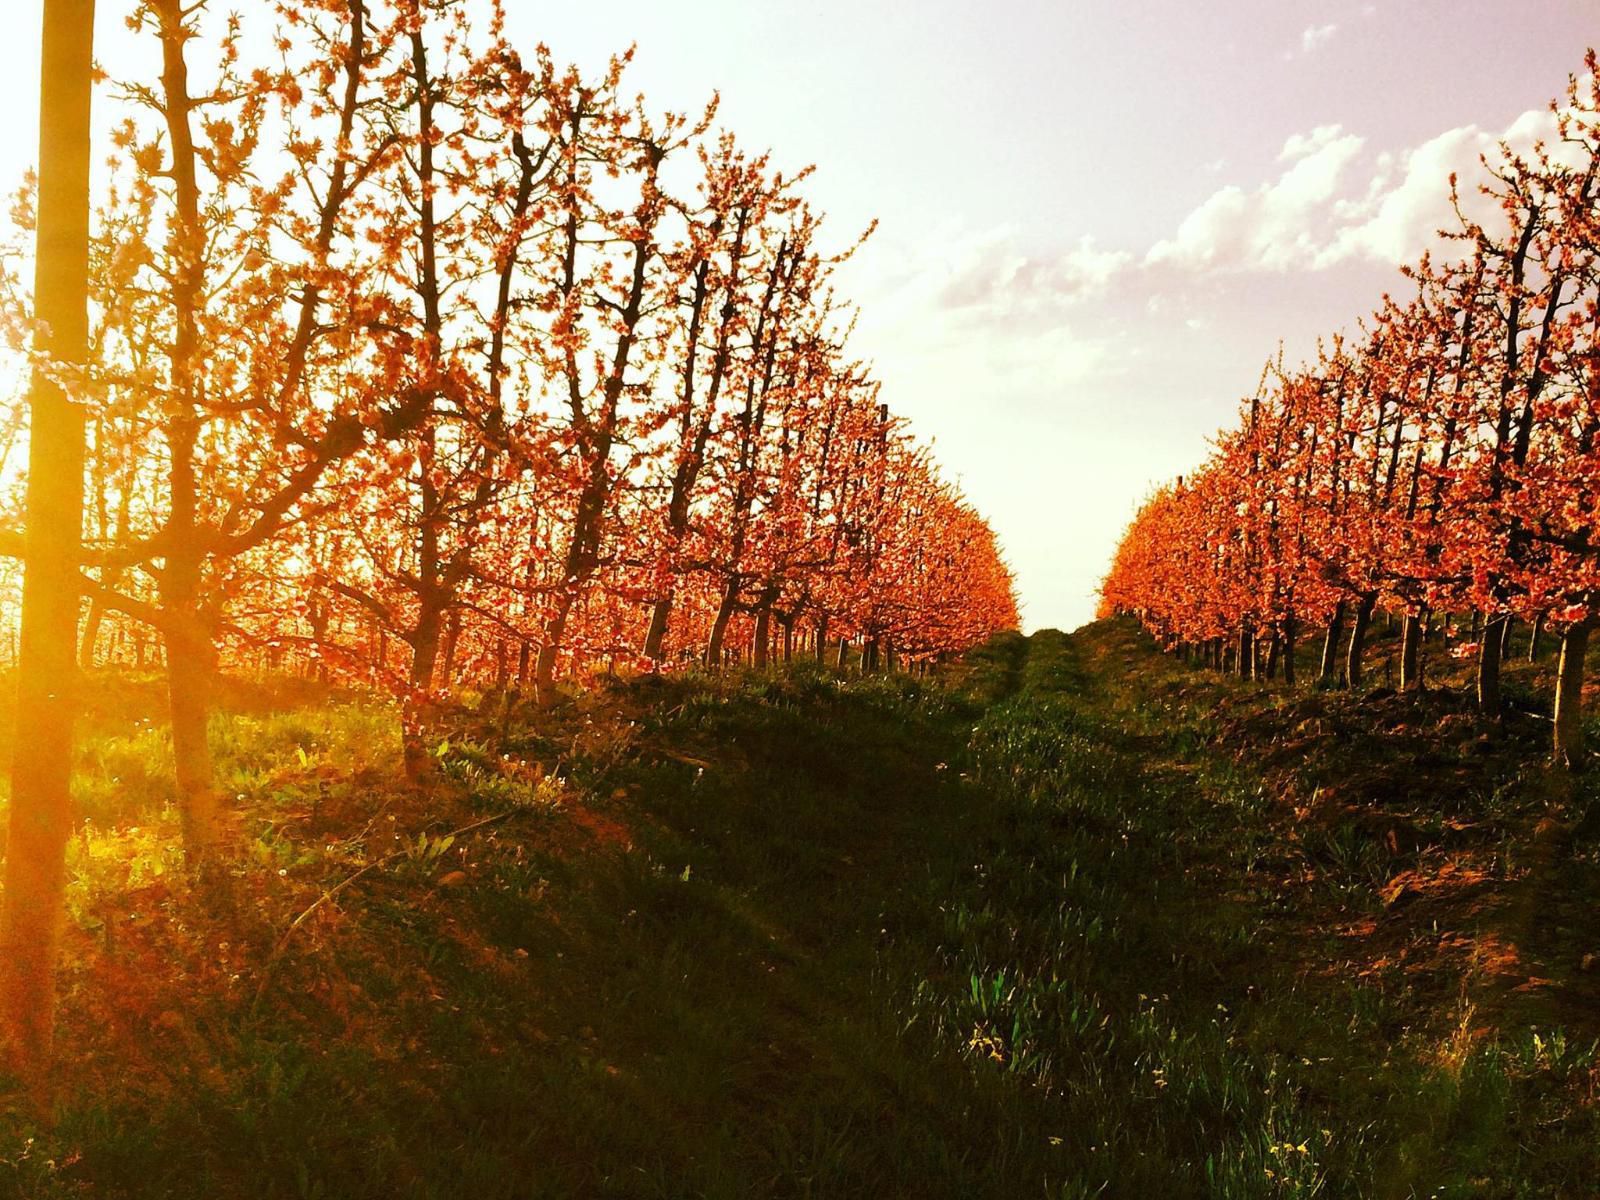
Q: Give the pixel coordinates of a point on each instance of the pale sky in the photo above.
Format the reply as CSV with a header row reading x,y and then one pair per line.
x,y
1097,218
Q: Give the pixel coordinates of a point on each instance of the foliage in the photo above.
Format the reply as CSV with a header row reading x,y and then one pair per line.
x,y
1444,461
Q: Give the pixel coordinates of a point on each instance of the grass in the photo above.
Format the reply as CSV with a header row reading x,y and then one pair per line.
x,y
1064,924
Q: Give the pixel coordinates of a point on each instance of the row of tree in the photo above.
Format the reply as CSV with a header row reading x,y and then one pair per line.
x,y
1443,461
418,361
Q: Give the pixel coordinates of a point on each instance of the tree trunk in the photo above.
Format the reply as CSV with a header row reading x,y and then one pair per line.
x,y
655,636
1272,657
1330,644
189,679
544,671
1533,638
1289,632
502,667
763,636
1505,637
1411,654
1247,652
417,711
822,638
719,627
318,619
41,764
91,634
452,638
1489,667
1569,749
1358,641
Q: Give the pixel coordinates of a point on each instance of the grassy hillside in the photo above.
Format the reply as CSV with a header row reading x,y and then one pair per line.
x,y
1069,922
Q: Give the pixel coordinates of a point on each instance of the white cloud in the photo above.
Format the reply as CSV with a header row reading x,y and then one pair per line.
x,y
989,271
1407,202
964,314
1316,37
1274,227
1332,203
1303,145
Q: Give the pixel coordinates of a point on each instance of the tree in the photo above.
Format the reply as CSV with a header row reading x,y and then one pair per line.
x,y
41,809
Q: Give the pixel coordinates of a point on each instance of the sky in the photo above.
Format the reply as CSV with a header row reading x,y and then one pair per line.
x,y
1097,218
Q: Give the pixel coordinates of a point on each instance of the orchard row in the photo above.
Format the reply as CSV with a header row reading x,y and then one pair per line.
x,y
420,361
1444,461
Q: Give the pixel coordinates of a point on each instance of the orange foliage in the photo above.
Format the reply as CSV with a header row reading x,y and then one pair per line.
x,y
1444,460
427,363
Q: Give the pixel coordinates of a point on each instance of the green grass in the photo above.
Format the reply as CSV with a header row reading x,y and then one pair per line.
x,y
1034,932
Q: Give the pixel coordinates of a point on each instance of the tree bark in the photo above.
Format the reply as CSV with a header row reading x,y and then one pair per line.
x,y
1569,748
1489,667
763,636
1533,638
719,627
318,619
417,710
452,638
47,701
88,643
655,637
1358,640
189,680
544,669
1411,654
1247,653
1330,644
